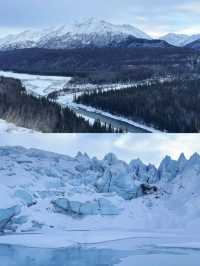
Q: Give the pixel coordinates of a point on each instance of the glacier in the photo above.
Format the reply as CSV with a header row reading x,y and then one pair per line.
x,y
46,190
56,209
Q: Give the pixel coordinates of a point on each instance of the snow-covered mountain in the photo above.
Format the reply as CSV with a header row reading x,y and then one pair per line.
x,y
175,39
25,39
180,39
91,32
42,190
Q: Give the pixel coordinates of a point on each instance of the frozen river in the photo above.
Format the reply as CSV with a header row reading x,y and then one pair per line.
x,y
44,85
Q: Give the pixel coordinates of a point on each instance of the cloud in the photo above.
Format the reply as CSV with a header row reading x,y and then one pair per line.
x,y
154,16
190,7
156,146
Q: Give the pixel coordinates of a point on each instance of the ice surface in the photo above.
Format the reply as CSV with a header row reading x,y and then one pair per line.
x,y
98,248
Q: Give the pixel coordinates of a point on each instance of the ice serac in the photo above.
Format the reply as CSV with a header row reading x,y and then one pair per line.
x,y
100,206
6,216
182,162
193,161
142,172
110,159
25,197
9,206
168,169
116,178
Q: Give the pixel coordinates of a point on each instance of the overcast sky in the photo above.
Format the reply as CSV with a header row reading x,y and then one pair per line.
x,y
151,149
153,16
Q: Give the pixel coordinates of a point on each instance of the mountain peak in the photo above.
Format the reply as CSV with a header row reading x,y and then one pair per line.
x,y
110,158
195,158
82,156
182,157
93,25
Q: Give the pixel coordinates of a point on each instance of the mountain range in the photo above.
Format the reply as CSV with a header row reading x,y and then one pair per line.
x,y
91,33
44,190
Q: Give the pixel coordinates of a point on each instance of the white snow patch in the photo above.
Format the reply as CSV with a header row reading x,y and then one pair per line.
x,y
37,84
12,128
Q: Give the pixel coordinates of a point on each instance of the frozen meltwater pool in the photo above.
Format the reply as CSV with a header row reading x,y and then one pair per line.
x,y
88,255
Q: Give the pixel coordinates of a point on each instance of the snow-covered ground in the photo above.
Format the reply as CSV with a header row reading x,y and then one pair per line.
x,y
11,128
37,84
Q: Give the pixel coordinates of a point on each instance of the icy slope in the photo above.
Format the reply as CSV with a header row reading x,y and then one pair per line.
x,y
42,190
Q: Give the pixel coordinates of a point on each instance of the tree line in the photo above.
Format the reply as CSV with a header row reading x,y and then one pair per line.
x,y
103,65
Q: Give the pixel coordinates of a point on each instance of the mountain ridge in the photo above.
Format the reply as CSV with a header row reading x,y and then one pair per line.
x,y
92,31
194,45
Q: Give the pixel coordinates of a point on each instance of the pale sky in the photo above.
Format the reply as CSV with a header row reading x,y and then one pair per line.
x,y
156,17
150,148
